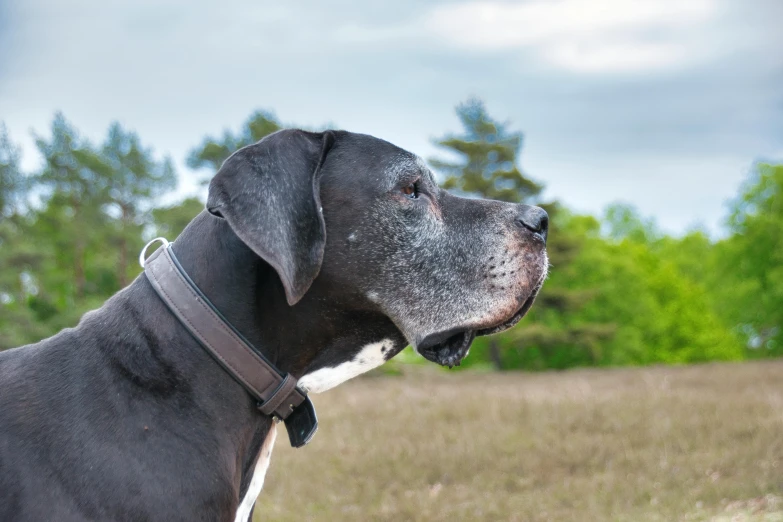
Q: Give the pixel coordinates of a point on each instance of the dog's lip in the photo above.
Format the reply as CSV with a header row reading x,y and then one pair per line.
x,y
447,348
505,325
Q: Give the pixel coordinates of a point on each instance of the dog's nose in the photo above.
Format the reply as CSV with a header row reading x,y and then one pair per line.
x,y
534,219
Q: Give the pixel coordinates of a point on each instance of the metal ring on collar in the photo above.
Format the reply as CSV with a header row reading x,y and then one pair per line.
x,y
142,255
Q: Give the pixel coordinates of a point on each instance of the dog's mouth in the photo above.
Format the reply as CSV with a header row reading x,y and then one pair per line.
x,y
448,348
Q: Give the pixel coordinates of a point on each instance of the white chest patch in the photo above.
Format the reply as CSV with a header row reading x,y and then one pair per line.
x,y
257,482
369,357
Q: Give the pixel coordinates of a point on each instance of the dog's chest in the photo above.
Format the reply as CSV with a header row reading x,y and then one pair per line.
x,y
259,473
369,357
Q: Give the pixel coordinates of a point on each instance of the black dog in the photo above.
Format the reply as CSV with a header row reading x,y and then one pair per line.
x,y
330,252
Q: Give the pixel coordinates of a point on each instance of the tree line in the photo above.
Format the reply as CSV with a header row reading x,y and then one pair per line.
x,y
620,291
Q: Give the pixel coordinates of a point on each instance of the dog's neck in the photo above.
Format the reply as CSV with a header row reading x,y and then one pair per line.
x,y
244,289
313,335
247,291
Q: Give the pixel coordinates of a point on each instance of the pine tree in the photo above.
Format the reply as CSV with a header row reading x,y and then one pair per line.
x,y
135,181
73,227
490,158
11,179
18,253
74,182
11,189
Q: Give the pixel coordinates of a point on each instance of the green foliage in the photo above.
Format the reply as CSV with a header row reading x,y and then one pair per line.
x,y
623,221
748,273
642,309
16,250
620,292
135,181
661,315
73,228
12,182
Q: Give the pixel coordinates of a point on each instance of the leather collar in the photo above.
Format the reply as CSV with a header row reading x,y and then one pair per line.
x,y
276,393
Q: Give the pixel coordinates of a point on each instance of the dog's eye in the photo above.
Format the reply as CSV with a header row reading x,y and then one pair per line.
x,y
412,190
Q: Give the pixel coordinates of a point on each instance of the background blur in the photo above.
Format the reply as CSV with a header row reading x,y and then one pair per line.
x,y
652,131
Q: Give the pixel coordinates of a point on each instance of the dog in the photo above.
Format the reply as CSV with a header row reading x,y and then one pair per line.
x,y
330,252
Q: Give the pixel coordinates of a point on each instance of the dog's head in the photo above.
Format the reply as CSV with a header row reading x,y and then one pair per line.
x,y
367,221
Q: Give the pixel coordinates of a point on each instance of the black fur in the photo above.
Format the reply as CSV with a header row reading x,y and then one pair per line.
x,y
126,417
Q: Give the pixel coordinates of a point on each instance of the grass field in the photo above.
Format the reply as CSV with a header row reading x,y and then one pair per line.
x,y
649,444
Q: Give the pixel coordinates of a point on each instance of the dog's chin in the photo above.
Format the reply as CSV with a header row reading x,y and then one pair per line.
x,y
511,321
450,347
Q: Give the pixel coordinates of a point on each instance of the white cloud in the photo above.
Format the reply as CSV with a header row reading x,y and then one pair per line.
x,y
657,93
598,57
576,35
504,25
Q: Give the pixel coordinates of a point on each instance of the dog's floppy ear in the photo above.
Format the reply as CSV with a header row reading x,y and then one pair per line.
x,y
269,194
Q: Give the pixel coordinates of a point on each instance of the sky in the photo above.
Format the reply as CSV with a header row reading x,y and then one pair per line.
x,y
664,104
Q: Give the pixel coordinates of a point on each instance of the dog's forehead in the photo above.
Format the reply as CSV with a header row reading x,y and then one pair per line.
x,y
406,166
381,161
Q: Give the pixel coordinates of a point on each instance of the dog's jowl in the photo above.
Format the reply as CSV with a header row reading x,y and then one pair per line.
x,y
327,253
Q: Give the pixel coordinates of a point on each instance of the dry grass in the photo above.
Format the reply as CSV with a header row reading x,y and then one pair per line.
x,y
687,443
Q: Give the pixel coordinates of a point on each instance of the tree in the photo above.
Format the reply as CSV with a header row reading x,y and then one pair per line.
x,y
74,183
18,254
489,167
489,151
135,181
622,221
12,182
557,334
213,152
748,277
69,247
662,315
